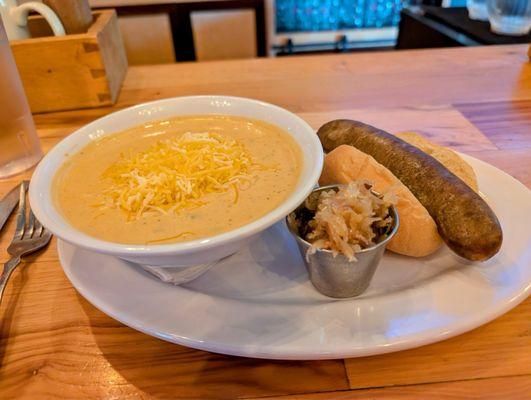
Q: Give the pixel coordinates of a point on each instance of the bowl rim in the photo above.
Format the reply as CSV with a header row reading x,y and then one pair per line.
x,y
79,238
298,237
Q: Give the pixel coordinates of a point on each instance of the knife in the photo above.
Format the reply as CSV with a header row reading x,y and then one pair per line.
x,y
8,204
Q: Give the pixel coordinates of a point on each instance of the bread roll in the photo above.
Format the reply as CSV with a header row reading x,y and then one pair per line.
x,y
447,157
417,234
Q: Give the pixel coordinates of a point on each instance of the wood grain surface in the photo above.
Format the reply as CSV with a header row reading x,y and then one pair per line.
x,y
54,344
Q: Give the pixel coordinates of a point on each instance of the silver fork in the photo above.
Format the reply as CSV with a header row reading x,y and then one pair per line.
x,y
28,238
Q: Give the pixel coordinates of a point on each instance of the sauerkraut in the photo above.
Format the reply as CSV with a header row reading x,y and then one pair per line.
x,y
349,219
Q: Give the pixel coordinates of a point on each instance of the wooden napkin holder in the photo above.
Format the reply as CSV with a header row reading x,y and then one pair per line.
x,y
74,71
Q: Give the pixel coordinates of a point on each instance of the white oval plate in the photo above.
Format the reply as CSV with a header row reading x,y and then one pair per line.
x,y
259,302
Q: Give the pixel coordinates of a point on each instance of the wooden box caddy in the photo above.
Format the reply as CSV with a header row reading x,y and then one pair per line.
x,y
73,71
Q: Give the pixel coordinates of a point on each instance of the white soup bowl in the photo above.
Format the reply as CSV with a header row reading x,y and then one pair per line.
x,y
184,254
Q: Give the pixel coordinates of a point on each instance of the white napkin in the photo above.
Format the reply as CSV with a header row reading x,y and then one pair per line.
x,y
178,275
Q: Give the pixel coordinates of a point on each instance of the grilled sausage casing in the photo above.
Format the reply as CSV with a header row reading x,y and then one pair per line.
x,y
464,220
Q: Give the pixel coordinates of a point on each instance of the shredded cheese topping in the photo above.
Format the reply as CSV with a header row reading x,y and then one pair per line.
x,y
175,174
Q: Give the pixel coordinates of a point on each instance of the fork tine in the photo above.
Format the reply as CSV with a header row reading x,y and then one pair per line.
x,y
38,228
28,232
21,212
46,233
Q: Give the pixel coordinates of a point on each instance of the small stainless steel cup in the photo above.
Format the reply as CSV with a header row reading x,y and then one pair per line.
x,y
337,276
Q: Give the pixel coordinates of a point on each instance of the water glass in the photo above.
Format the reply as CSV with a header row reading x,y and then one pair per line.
x,y
510,17
19,144
477,9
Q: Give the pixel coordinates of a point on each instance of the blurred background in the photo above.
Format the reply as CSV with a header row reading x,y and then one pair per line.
x,y
166,31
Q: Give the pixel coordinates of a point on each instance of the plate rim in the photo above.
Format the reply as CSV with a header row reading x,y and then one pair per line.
x,y
413,341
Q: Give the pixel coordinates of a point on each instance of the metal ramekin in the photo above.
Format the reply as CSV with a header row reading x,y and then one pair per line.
x,y
337,276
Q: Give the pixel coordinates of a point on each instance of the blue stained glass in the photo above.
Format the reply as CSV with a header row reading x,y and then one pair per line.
x,y
322,15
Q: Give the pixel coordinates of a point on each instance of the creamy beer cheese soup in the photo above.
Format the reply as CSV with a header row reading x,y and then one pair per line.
x,y
176,180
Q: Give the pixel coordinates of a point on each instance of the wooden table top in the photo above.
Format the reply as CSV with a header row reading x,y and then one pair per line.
x,y
54,344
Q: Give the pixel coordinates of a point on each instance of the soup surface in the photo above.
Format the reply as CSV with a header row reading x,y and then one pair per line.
x,y
177,180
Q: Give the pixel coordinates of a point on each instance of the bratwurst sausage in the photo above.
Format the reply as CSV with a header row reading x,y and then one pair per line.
x,y
465,222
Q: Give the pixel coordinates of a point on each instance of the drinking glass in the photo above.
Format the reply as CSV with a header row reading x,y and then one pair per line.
x,y
477,9
19,145
510,17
